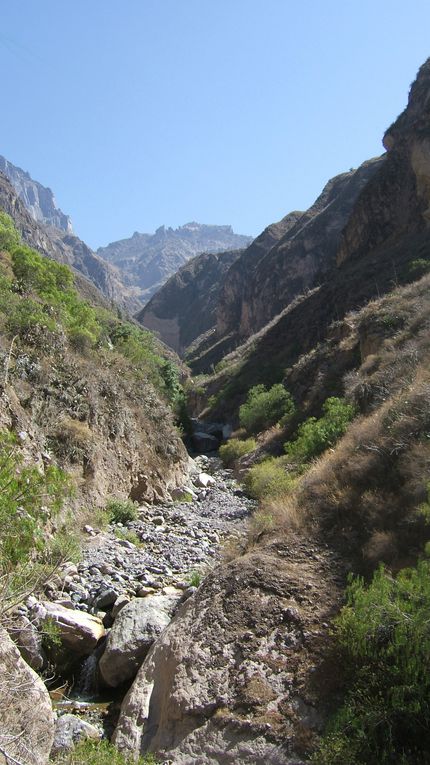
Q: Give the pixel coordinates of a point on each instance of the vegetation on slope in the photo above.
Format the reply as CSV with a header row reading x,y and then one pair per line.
x,y
356,476
55,349
383,639
39,305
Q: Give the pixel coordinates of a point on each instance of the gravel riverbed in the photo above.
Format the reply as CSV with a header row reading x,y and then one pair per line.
x,y
175,542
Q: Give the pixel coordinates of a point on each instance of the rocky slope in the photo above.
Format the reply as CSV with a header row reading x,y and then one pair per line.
x,y
38,199
101,280
286,260
184,307
146,261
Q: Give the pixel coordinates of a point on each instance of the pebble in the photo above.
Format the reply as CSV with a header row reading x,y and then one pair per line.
x,y
178,538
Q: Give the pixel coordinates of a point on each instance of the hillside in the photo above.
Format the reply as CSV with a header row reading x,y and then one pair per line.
x,y
183,309
146,261
83,385
100,277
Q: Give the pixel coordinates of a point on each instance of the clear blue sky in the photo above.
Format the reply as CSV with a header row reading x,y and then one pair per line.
x,y
143,112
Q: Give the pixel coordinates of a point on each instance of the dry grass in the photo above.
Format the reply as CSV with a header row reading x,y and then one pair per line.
x,y
363,495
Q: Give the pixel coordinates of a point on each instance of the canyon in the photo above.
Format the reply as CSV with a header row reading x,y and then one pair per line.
x,y
211,606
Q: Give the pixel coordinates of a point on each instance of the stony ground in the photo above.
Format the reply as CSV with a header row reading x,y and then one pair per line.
x,y
173,543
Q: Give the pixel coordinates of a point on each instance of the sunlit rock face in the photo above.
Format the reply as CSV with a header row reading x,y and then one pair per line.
x,y
39,200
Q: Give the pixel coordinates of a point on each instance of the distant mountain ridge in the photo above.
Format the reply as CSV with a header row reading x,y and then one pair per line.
x,y
39,200
146,261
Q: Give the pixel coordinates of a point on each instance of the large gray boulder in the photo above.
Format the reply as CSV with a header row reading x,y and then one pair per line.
x,y
79,632
26,715
233,677
135,628
69,730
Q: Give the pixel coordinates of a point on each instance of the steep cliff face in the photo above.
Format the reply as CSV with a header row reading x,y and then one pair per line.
x,y
258,290
184,308
39,200
397,201
146,261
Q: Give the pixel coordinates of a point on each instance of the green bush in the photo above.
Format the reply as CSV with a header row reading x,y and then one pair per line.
x,y
314,436
9,236
383,634
91,752
121,510
269,479
28,499
264,408
234,449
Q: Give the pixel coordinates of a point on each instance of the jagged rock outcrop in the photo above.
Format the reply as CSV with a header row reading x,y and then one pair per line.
x,y
298,261
184,308
26,715
39,200
368,229
146,261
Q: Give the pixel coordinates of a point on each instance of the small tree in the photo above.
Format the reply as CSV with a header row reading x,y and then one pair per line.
x,y
264,408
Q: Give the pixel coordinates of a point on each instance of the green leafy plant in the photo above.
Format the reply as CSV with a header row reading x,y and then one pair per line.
x,y
121,510
264,408
195,579
383,635
185,497
234,449
269,479
28,500
9,236
316,435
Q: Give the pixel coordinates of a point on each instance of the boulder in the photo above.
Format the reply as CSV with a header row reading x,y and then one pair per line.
x,y
204,442
204,480
79,632
105,599
135,628
119,604
69,730
220,684
26,715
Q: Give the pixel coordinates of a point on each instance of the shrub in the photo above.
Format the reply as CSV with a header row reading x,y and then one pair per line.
x,y
269,479
121,510
314,436
264,408
384,638
71,439
28,499
128,535
234,449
